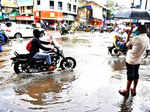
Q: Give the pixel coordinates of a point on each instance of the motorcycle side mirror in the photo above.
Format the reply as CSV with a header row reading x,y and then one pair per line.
x,y
16,53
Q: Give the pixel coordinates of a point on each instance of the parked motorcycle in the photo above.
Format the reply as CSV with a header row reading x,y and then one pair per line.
x,y
23,63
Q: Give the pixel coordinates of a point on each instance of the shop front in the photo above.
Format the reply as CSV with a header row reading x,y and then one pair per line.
x,y
48,16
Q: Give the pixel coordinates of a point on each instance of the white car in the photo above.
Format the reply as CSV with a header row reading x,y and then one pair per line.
x,y
14,30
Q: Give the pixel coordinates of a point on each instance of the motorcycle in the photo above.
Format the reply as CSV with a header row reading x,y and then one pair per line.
x,y
116,52
119,46
23,63
65,29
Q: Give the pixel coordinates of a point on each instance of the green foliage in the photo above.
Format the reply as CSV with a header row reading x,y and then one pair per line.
x,y
110,3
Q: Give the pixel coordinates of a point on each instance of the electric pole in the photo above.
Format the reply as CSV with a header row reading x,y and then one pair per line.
x,y
132,4
146,5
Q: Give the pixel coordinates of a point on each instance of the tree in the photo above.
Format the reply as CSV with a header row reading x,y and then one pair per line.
x,y
110,3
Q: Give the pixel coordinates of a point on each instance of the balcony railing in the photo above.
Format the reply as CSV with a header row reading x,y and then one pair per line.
x,y
51,7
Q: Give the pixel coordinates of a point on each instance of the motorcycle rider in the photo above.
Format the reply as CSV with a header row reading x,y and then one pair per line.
x,y
37,45
119,41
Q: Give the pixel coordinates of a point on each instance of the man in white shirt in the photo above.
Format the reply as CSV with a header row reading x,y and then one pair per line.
x,y
136,47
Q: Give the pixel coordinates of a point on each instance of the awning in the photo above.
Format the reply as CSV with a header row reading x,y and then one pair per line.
x,y
88,7
25,18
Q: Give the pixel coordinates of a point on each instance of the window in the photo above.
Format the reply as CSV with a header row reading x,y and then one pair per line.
x,y
74,8
38,2
51,4
69,6
59,5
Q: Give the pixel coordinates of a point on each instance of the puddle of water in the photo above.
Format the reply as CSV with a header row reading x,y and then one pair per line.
x,y
91,87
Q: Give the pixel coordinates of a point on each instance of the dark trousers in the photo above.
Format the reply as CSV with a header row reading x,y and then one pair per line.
x,y
132,71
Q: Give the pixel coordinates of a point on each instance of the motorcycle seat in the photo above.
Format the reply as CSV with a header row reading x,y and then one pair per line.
x,y
23,55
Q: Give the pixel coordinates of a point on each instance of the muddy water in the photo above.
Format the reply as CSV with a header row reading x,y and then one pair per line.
x,y
92,87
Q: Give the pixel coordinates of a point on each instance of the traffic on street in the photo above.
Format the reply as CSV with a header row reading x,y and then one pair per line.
x,y
92,86
74,55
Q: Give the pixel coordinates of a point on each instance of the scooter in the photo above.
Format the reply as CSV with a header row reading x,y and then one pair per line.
x,y
23,63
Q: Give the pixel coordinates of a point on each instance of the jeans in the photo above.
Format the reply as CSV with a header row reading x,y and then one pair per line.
x,y
43,55
121,45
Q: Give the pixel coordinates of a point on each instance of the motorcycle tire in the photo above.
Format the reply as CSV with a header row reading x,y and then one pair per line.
x,y
68,63
18,68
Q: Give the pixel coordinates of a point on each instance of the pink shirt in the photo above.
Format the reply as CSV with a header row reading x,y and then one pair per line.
x,y
139,44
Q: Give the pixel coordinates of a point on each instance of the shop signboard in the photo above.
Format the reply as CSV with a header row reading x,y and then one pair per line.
x,y
134,21
70,17
25,2
25,18
5,16
9,3
51,15
12,16
1,17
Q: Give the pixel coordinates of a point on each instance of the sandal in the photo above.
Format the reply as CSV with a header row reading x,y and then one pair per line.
x,y
124,93
133,93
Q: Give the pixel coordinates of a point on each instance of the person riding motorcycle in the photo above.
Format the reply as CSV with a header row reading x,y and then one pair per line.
x,y
37,45
120,39
119,42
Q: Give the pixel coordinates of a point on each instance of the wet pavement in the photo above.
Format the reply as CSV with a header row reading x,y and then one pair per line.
x,y
92,86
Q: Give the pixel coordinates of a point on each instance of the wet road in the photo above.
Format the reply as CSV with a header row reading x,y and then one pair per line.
x,y
92,87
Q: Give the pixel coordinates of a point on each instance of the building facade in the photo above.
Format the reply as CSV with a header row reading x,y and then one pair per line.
x,y
8,7
55,10
25,11
91,13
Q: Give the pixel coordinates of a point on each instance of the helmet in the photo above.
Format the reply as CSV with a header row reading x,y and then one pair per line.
x,y
36,33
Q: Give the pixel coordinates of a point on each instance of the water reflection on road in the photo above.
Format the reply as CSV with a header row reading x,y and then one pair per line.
x,y
92,87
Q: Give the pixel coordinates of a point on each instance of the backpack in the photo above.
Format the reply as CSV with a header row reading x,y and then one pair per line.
x,y
28,46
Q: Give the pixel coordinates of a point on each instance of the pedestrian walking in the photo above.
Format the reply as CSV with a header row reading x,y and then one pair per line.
x,y
136,48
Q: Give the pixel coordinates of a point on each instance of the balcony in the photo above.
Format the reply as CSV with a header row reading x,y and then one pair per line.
x,y
51,7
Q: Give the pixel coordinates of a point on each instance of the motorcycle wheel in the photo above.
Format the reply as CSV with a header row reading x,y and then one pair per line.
x,y
18,68
115,52
68,63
